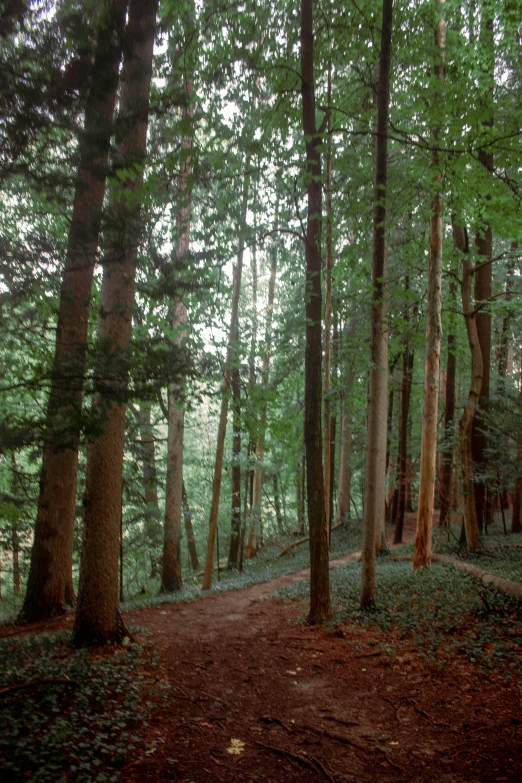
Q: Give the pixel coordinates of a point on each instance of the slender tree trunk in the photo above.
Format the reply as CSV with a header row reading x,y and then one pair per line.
x,y
97,618
516,517
320,609
231,352
484,245
446,470
407,373
466,420
428,458
235,533
375,476
345,473
49,586
189,530
171,578
328,469
260,446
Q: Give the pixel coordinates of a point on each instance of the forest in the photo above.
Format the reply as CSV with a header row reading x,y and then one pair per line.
x,y
259,288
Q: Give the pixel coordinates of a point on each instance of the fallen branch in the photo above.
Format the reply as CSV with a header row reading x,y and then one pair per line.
x,y
338,737
504,585
304,540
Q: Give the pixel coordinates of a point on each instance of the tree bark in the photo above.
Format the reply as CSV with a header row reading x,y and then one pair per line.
x,y
516,518
235,532
484,245
231,351
328,469
446,470
407,373
49,586
320,609
374,488
466,420
97,618
428,457
189,530
171,578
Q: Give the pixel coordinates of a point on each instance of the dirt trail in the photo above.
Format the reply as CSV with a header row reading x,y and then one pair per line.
x,y
257,696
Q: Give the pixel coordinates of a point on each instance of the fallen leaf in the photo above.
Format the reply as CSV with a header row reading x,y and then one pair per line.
x,y
236,747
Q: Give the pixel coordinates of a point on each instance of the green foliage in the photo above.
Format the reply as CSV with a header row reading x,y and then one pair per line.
x,y
75,713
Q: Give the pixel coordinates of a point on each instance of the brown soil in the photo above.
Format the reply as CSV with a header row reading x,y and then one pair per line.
x,y
259,696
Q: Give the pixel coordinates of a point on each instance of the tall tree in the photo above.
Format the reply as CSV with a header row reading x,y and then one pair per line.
x,y
446,470
320,609
97,618
374,488
428,458
49,586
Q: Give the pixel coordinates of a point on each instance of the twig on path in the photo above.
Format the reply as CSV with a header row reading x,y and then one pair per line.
x,y
269,719
338,737
310,762
342,722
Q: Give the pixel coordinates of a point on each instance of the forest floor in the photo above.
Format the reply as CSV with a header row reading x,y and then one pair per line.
x,y
241,689
260,696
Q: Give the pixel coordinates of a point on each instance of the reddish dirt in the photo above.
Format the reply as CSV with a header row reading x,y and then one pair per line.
x,y
313,704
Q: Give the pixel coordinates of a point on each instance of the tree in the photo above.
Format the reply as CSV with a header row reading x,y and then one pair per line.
x,y
319,576
377,398
97,619
422,554
49,587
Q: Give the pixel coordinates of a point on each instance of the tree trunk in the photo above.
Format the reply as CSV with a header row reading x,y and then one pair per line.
x,y
484,244
320,609
235,532
345,473
171,578
49,586
516,518
375,477
97,618
407,373
231,352
327,461
446,470
189,530
260,446
428,457
466,420
147,457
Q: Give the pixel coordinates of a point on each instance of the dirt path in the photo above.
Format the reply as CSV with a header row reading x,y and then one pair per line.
x,y
259,697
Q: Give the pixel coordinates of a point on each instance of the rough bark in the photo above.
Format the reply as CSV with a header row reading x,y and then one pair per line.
x,y
468,414
375,476
320,609
97,618
49,586
222,426
428,457
446,469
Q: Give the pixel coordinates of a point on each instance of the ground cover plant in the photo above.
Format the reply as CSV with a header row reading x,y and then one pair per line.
x,y
442,613
71,714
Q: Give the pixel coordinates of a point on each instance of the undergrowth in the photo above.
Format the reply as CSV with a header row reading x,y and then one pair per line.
x,y
67,714
442,613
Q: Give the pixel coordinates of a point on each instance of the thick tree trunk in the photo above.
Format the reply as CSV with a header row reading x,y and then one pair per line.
x,y
428,457
466,420
446,470
374,489
320,609
189,530
222,426
49,587
97,618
